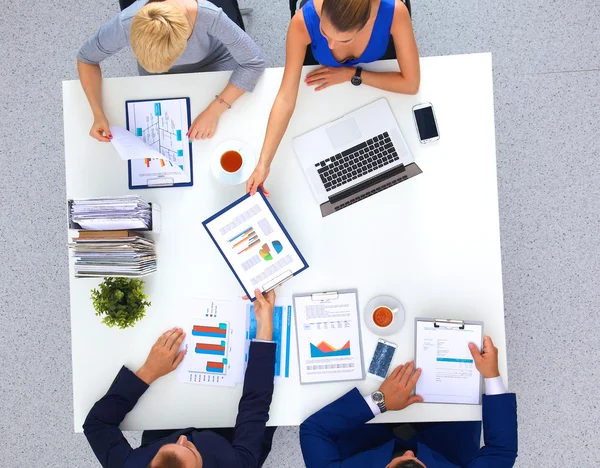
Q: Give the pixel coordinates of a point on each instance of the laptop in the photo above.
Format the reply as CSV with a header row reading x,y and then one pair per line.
x,y
354,157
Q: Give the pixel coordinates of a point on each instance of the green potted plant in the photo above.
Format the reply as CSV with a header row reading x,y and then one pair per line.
x,y
120,301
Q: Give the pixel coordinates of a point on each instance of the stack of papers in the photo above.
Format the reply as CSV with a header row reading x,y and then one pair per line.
x,y
113,256
128,212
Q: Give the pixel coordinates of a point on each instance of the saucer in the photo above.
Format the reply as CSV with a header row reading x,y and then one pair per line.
x,y
397,310
243,173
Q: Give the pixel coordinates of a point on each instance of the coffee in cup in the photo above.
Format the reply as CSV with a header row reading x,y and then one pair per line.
x,y
383,316
231,161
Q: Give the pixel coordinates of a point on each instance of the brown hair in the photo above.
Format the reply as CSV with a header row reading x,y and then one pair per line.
x,y
165,460
347,15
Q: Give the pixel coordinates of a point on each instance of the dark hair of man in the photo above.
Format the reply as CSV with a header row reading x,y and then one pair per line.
x,y
347,15
409,464
166,460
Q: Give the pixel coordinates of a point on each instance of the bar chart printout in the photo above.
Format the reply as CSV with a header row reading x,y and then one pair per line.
x,y
208,348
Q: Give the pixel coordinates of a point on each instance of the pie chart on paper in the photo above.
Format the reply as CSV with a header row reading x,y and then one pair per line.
x,y
265,252
277,246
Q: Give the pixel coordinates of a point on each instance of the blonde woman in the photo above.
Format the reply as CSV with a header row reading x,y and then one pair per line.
x,y
342,34
173,36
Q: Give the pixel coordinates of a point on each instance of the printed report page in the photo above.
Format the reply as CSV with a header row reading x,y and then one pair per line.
x,y
448,373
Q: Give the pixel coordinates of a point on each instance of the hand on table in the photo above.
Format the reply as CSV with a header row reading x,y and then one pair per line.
x,y
164,356
486,362
205,124
101,129
263,311
397,388
328,76
257,180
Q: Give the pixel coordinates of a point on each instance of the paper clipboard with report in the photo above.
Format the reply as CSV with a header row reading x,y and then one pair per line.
x,y
164,158
448,373
255,244
328,337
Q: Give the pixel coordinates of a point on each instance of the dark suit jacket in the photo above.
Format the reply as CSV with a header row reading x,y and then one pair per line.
x,y
101,426
337,436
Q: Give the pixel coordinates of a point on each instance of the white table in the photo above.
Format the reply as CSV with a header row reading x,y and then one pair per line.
x,y
433,242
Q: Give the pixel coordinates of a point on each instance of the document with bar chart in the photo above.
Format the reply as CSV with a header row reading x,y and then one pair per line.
x,y
162,126
255,244
328,332
215,343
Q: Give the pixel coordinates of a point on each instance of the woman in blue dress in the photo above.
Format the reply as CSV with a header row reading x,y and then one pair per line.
x,y
341,34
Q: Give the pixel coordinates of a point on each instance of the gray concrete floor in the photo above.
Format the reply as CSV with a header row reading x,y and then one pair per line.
x,y
546,72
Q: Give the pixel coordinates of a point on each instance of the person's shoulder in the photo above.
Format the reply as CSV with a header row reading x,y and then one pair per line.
x,y
207,8
400,9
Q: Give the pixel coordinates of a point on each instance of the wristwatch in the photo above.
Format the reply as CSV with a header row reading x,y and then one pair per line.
x,y
379,400
356,79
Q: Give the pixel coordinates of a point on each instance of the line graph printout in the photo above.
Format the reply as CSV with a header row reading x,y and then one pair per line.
x,y
329,345
254,243
162,125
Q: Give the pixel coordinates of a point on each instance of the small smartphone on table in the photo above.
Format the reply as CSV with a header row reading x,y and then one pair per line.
x,y
382,359
426,123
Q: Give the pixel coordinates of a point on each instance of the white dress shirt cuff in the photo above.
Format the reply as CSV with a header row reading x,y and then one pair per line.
x,y
494,386
262,341
374,408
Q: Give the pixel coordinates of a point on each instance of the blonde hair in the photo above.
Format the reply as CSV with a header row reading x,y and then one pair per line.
x,y
347,15
159,33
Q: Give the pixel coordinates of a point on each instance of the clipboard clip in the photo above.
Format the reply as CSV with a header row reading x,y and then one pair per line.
x,y
325,296
446,323
278,280
161,182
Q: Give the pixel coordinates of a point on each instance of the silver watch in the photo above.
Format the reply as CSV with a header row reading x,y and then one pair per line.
x,y
379,400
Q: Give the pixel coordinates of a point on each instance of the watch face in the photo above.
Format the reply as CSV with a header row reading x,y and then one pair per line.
x,y
356,80
377,397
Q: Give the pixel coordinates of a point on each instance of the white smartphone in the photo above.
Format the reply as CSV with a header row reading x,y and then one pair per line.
x,y
426,123
382,358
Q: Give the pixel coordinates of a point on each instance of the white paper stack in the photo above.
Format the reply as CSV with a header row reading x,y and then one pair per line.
x,y
113,256
127,212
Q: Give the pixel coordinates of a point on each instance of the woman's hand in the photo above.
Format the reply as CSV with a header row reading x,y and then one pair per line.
x,y
328,76
257,180
101,129
263,310
164,356
205,124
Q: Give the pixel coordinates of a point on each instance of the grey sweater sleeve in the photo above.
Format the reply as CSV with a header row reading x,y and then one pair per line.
x,y
250,59
108,40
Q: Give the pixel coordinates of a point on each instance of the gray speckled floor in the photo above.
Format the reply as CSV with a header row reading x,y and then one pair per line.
x,y
546,71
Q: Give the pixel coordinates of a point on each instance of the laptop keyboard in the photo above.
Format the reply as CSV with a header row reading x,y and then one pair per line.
x,y
355,162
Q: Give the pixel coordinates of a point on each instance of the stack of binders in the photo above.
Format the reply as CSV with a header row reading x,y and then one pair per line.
x,y
99,254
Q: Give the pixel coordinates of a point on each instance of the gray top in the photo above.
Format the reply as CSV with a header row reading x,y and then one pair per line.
x,y
216,44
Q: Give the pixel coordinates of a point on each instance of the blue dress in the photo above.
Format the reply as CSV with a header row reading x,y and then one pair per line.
x,y
376,48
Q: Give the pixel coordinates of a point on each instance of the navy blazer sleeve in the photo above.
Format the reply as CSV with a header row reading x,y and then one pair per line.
x,y
319,432
499,432
253,410
101,427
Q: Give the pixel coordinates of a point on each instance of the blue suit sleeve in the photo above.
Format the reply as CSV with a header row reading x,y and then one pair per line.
x,y
253,410
101,427
319,434
499,432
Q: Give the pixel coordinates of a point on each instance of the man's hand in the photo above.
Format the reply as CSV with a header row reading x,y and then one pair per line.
x,y
163,357
328,76
487,362
263,310
397,388
101,129
257,180
205,124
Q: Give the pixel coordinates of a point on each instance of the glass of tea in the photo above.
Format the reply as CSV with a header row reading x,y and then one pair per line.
x,y
383,316
231,161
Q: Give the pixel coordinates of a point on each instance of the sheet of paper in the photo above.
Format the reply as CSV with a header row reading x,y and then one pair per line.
x,y
448,373
329,344
215,341
255,245
131,147
161,125
282,331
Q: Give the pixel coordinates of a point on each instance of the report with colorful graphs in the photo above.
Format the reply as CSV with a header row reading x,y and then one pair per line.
x,y
255,245
329,341
162,126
